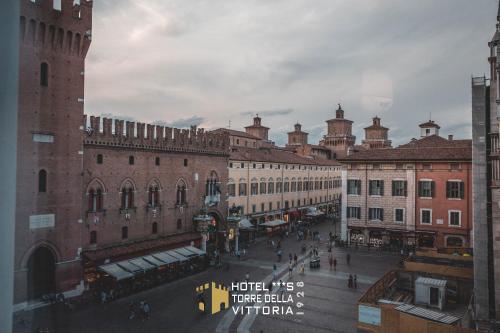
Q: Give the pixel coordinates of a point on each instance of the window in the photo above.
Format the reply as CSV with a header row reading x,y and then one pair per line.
x,y
231,164
154,228
99,159
426,189
254,188
455,166
131,160
354,186
299,186
153,196
353,212
270,206
270,187
454,189
185,162
127,196
231,190
157,160
181,193
399,215
254,166
278,204
95,200
42,181
254,208
179,224
262,207
399,188
124,232
453,241
242,165
376,187
454,218
425,216
93,237
286,187
376,214
242,189
212,185
262,188
279,186
293,186
44,74
286,204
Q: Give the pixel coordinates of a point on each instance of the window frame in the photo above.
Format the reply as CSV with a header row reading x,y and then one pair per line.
x,y
422,215
403,221
452,211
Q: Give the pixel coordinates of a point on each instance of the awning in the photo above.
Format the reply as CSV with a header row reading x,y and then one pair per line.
x,y
146,266
178,256
185,252
154,261
196,250
274,223
128,266
245,224
165,257
116,271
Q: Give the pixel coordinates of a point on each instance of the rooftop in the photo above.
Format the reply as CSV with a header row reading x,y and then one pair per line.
x,y
232,132
277,155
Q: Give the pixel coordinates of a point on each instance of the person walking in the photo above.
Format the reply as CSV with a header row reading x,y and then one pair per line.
x,y
355,281
146,309
350,281
279,255
334,264
348,259
295,258
330,260
290,269
290,257
274,272
281,289
302,269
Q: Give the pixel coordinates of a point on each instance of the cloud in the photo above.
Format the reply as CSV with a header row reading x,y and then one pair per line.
x,y
181,123
205,61
268,113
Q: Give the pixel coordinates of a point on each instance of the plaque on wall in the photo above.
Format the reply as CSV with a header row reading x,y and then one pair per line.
x,y
42,221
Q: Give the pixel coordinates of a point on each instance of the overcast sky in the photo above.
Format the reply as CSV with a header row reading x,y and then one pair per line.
x,y
211,62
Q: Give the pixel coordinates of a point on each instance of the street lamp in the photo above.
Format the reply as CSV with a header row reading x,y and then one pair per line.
x,y
233,222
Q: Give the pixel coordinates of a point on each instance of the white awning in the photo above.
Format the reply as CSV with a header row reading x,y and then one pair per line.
x,y
165,257
116,271
274,223
140,262
245,224
195,250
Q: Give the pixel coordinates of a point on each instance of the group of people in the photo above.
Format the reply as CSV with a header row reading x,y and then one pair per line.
x,y
352,282
139,310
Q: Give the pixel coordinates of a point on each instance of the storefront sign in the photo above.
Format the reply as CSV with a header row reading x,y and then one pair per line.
x,y
369,315
42,221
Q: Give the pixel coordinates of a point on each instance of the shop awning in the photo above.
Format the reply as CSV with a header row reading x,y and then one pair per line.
x,y
196,250
140,262
274,223
185,252
154,261
165,257
245,224
178,256
116,271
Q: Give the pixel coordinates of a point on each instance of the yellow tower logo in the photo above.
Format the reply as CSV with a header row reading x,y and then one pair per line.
x,y
212,298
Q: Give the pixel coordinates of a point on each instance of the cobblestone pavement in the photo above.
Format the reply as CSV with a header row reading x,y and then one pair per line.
x,y
329,306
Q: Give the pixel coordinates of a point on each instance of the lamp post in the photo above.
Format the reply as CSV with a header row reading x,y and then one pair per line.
x,y
233,223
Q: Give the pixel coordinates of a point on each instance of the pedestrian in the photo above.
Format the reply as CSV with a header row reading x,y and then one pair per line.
x,y
274,272
290,257
281,289
350,281
279,255
272,244
302,269
355,281
146,309
132,306
295,258
330,260
334,264
279,244
290,269
348,259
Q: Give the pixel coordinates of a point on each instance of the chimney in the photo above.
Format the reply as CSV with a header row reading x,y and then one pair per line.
x,y
450,137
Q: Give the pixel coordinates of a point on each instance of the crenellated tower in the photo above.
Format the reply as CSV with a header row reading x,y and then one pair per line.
x,y
297,137
54,39
339,138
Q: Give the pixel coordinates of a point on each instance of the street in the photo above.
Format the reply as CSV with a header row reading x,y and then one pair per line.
x,y
329,305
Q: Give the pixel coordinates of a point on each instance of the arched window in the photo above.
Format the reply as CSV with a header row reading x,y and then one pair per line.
x,y
44,74
127,196
242,187
212,185
181,193
270,186
95,198
262,186
153,195
42,181
93,237
154,228
254,187
131,160
124,232
99,158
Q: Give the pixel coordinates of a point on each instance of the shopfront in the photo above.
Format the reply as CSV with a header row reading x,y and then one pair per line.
x,y
426,239
357,236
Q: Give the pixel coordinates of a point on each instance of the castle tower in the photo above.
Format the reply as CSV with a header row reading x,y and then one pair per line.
x,y
429,128
376,135
297,137
257,129
55,37
339,138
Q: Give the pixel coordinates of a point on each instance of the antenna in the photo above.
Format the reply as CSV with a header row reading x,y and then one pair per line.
x,y
430,115
229,126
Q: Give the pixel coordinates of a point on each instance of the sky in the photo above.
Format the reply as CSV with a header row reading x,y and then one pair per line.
x,y
216,63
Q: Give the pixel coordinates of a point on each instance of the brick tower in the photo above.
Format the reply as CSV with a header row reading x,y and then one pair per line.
x,y
339,138
376,135
55,37
297,137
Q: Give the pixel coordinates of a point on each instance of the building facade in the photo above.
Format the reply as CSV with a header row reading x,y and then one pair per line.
x,y
486,176
418,194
